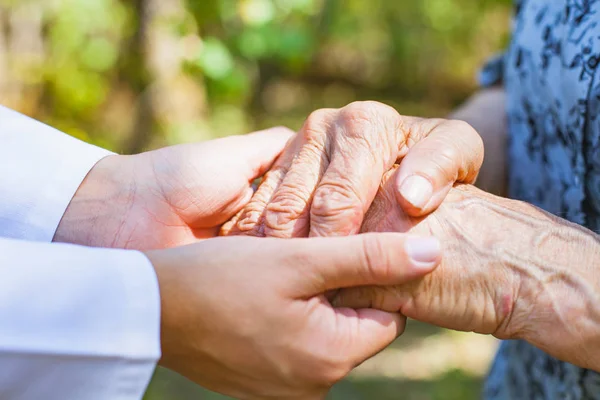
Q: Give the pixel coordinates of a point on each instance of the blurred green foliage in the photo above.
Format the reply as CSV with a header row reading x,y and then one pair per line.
x,y
136,74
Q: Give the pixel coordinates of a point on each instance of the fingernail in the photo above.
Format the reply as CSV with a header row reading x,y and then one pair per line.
x,y
416,190
423,250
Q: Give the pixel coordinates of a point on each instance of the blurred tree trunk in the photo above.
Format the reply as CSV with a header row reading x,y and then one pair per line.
x,y
169,101
135,74
22,51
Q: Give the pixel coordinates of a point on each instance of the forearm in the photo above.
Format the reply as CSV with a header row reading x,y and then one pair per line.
x,y
485,111
557,305
531,274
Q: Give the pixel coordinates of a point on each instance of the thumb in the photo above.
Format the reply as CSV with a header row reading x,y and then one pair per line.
x,y
451,152
359,260
256,152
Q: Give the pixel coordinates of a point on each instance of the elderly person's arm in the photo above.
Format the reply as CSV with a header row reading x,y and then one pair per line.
x,y
509,269
485,111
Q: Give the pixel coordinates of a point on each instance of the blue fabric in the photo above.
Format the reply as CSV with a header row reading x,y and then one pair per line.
x,y
552,80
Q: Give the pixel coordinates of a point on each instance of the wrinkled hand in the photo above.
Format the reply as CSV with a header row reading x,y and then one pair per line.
x,y
472,290
469,291
509,269
247,316
326,179
168,197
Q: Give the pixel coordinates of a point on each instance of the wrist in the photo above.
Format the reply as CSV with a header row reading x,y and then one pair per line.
x,y
546,291
483,246
98,210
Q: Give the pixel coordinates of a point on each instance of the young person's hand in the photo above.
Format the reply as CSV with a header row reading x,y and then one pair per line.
x,y
247,317
168,197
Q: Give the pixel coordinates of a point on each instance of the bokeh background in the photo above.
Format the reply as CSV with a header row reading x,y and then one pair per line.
x,y
132,75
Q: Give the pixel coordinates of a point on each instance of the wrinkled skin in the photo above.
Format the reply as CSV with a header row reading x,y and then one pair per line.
x,y
508,269
465,293
470,291
282,208
327,177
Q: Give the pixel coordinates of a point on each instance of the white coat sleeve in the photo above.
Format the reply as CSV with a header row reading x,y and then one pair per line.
x,y
40,171
76,323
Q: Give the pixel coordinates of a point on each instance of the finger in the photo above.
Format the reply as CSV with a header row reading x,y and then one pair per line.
x,y
369,146
385,215
229,228
365,332
449,152
230,210
248,157
288,213
360,260
254,152
250,221
384,298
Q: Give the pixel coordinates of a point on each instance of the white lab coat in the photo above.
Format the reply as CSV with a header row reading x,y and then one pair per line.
x,y
75,322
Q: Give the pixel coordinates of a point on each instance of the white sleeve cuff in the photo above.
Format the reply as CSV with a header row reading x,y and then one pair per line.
x,y
76,322
41,169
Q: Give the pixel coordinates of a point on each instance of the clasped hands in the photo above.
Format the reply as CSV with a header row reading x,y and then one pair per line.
x,y
285,316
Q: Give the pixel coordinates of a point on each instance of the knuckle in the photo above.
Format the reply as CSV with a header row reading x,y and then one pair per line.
x,y
373,124
287,209
334,203
360,116
250,223
251,219
229,229
442,159
367,109
316,125
448,157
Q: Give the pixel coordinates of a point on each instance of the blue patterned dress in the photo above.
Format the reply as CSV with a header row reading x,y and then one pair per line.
x,y
552,78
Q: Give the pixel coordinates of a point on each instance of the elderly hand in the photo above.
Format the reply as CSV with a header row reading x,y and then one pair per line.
x,y
471,290
327,177
168,197
509,269
247,317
